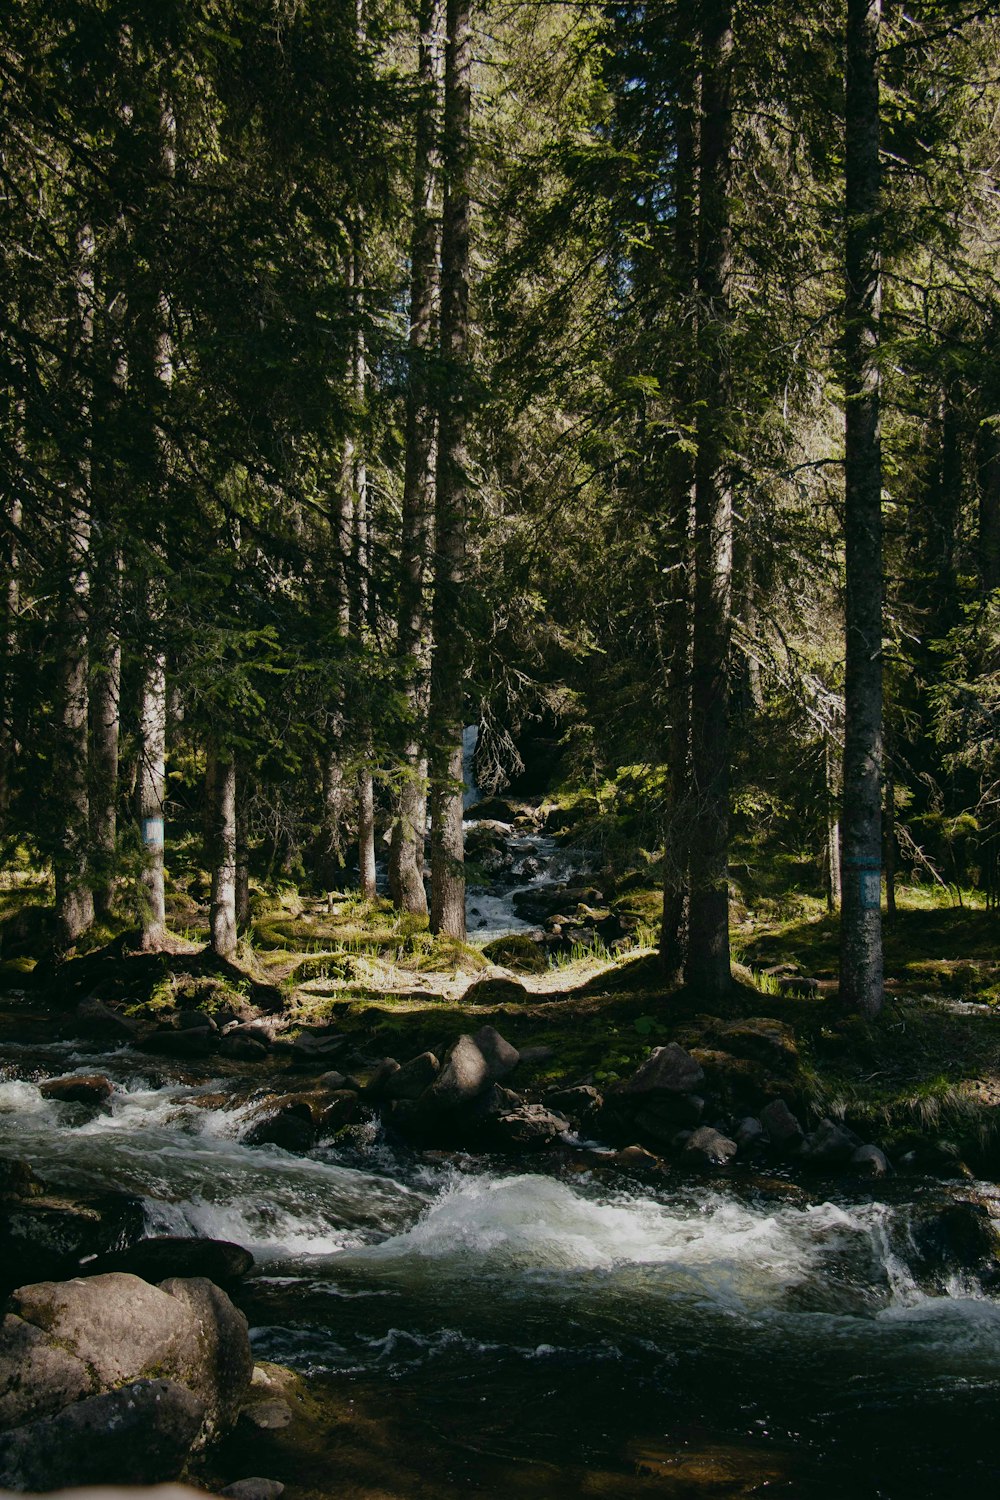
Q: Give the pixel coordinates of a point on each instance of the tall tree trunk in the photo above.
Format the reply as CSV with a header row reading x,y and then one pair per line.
x,y
831,854
676,857
989,505
220,788
74,898
362,552
8,638
406,854
105,712
242,899
448,669
708,960
151,785
861,833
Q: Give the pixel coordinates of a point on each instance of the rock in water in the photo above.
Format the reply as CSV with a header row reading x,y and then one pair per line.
x,y
177,1255
253,1489
141,1433
465,1075
92,1089
501,1057
783,1129
706,1147
413,1077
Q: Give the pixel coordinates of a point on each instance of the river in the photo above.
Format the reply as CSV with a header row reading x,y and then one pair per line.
x,y
552,1327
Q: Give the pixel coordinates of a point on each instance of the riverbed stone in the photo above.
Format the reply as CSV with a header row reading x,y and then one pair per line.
x,y
161,1256
783,1130
254,1488
496,989
830,1144
141,1433
37,1376
464,1075
90,1088
384,1072
413,1077
669,1070
579,1102
267,1416
960,1236
95,1018
527,1128
870,1161
749,1133
501,1057
706,1147
48,1236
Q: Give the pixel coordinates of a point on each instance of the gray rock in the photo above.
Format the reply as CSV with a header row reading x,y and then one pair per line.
x,y
93,1088
497,1100
333,1080
578,1102
871,1161
708,1148
49,1237
464,1076
764,1039
242,1047
196,1020
386,1070
496,990
413,1077
96,1019
830,1144
528,1128
141,1433
749,1132
783,1129
667,1070
37,1377
267,1416
120,1328
501,1057
253,1489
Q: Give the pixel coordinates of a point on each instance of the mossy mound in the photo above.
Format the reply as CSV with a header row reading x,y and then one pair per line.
x,y
517,952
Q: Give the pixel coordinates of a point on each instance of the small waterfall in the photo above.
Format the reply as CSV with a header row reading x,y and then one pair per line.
x,y
470,739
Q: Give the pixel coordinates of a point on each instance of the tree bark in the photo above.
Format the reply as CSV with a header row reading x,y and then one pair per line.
x,y
861,828
105,709
989,506
448,668
8,645
406,854
74,897
220,785
150,796
242,858
676,855
708,958
832,767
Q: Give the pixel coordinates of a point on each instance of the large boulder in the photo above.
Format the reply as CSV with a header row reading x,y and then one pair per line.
x,y
783,1129
496,990
63,1341
706,1147
763,1039
471,1065
141,1433
413,1077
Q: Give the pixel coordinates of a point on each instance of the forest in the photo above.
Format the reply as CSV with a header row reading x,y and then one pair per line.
x,y
500,747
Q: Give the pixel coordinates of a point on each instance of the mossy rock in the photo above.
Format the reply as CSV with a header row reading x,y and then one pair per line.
x,y
517,952
496,991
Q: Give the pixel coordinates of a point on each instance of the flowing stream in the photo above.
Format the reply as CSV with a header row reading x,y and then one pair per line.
x,y
565,1327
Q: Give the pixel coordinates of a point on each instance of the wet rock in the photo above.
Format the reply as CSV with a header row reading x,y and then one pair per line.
x,y
196,1020
245,1043
194,1041
287,1122
961,1236
155,1259
96,1019
37,1377
635,1159
783,1129
497,1100
497,809
17,1180
253,1489
528,1128
763,1039
829,1144
871,1162
342,1107
93,1088
496,990
667,1070
383,1074
140,1434
221,1370
333,1081
49,1236
749,1133
501,1057
579,1102
309,1047
706,1147
658,1118
413,1077
267,1416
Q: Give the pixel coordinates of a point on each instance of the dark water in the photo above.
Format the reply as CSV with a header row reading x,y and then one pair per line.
x,y
537,1335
